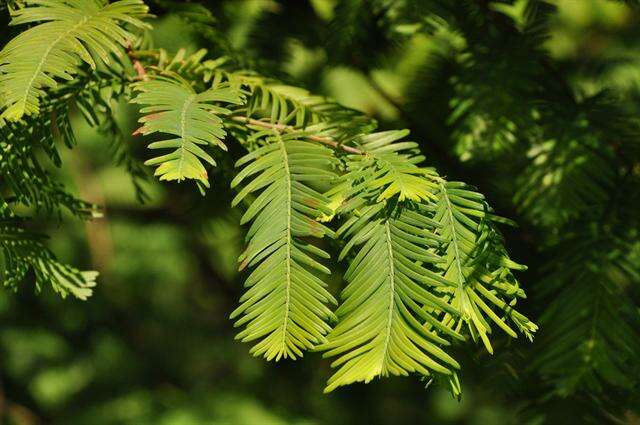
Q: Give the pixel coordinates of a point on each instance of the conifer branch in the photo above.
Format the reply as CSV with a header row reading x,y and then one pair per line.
x,y
283,128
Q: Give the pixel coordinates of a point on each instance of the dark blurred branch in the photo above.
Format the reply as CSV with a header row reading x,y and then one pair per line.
x,y
90,189
166,214
449,162
14,413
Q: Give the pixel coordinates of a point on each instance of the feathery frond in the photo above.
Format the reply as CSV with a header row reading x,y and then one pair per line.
x,y
590,339
391,285
23,251
284,306
267,99
74,31
426,265
478,266
295,106
564,179
176,109
388,170
413,233
25,180
381,327
571,168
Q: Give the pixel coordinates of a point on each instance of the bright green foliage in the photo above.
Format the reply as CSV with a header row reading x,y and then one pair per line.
x,y
425,264
73,31
525,99
476,262
382,167
285,304
381,327
424,256
23,251
287,104
176,109
29,65
294,106
388,199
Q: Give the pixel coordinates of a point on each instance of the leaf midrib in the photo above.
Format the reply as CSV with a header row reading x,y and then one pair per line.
x,y
183,131
288,244
454,235
46,55
392,280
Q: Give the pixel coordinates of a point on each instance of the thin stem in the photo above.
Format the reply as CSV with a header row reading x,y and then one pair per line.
x,y
287,128
282,128
288,248
137,65
388,97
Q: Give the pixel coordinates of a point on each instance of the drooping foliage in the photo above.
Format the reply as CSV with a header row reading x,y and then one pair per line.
x,y
286,303
397,309
321,190
23,251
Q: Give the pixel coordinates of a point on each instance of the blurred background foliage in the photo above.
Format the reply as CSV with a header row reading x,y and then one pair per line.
x,y
154,345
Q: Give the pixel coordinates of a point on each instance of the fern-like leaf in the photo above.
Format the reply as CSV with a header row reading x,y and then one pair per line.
x,y
175,108
381,320
591,327
478,265
74,31
285,303
565,178
23,251
387,171
291,105
385,322
23,178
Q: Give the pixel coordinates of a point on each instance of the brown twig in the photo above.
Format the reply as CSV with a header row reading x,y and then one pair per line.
x,y
137,65
287,128
142,74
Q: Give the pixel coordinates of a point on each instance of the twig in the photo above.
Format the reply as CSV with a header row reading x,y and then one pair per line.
x,y
388,97
142,74
287,128
438,151
98,234
137,65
